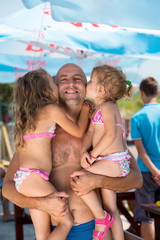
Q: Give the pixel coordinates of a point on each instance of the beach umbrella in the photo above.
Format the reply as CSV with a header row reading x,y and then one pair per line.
x,y
38,25
18,57
142,14
84,43
48,44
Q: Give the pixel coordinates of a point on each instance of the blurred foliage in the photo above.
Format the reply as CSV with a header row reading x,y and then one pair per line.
x,y
6,98
131,106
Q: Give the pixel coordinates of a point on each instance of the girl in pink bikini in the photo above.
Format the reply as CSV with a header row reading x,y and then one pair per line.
x,y
106,135
36,115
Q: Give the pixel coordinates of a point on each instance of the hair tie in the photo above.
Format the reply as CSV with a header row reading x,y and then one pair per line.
x,y
91,107
128,82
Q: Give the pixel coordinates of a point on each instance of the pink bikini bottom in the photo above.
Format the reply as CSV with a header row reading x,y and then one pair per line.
x,y
120,158
23,173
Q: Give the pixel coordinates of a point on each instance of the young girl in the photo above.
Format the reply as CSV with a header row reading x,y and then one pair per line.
x,y
110,154
36,115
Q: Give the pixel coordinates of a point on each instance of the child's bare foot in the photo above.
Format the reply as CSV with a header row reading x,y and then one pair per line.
x,y
102,226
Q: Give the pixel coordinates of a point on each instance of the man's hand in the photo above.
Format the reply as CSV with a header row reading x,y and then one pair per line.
x,y
156,178
82,182
55,204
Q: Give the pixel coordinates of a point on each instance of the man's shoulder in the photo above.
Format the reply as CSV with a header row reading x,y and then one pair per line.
x,y
145,113
137,114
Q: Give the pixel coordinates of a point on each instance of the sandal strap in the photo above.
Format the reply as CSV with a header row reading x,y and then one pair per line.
x,y
97,234
108,223
103,221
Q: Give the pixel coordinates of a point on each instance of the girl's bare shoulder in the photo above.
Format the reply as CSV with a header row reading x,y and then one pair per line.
x,y
55,112
51,107
108,106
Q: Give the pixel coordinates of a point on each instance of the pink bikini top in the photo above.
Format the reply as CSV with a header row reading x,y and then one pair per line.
x,y
98,119
50,133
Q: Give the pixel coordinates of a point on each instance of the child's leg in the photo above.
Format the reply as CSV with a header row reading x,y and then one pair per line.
x,y
102,218
109,203
42,223
35,186
92,201
61,231
105,167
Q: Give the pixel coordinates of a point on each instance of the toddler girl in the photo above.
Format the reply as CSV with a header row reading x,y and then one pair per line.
x,y
106,135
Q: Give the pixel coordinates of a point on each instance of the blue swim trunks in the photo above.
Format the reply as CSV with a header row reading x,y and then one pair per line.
x,y
83,231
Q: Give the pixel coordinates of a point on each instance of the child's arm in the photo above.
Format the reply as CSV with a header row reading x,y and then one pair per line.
x,y
109,128
145,158
87,143
75,129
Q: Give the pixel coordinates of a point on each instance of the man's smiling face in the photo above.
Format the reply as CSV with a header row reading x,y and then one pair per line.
x,y
71,82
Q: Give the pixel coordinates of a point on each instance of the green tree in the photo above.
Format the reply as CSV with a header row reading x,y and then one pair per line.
x,y
131,106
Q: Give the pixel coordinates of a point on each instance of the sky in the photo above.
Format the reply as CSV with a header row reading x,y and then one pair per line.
x,y
147,68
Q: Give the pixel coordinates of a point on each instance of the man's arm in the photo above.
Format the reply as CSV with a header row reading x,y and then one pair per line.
x,y
55,204
85,182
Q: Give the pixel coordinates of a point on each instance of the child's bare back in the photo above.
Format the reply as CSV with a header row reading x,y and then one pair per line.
x,y
110,131
37,149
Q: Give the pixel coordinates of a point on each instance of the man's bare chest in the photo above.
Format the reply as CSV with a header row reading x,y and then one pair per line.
x,y
66,149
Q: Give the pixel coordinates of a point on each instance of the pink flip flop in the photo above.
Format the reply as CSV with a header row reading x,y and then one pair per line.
x,y
108,223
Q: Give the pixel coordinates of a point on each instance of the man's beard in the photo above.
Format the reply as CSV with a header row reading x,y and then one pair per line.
x,y
70,102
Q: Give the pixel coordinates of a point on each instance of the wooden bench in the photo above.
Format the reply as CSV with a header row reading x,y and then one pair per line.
x,y
130,236
20,218
129,195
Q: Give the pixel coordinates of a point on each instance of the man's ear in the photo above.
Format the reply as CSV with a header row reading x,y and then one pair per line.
x,y
142,93
143,96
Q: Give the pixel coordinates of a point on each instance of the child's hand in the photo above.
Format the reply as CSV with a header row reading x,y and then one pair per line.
x,y
91,160
85,160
